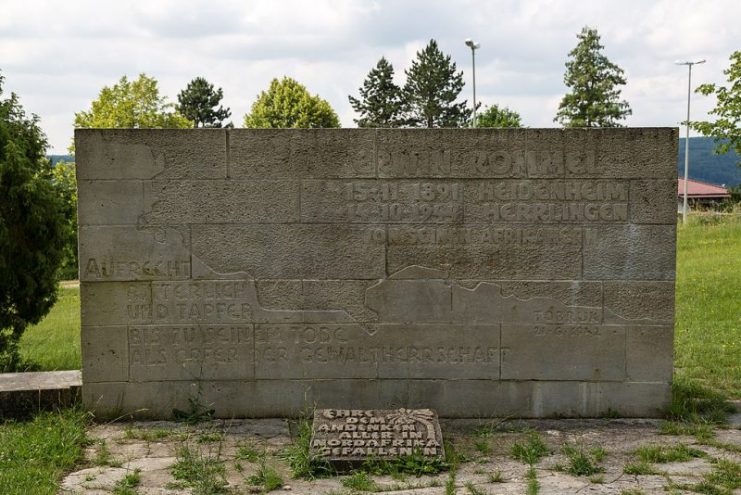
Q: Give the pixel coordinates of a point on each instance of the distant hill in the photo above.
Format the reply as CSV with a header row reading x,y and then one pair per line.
x,y
704,164
69,158
707,166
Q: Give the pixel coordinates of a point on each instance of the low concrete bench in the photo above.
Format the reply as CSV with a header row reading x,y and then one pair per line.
x,y
22,394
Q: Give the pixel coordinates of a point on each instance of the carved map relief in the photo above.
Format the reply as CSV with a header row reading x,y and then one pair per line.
x,y
397,266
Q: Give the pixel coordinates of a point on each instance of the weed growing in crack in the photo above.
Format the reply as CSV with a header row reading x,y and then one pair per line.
x,y
267,478
298,455
531,451
127,485
668,453
583,462
360,481
533,485
204,473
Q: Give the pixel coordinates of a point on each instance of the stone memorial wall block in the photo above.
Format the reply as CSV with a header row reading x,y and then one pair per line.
x,y
476,272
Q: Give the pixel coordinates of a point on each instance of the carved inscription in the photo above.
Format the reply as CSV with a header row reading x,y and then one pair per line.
x,y
344,435
553,201
190,351
491,236
384,201
216,301
377,350
444,201
110,268
500,163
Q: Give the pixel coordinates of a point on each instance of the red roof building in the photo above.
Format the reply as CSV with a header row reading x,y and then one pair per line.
x,y
698,190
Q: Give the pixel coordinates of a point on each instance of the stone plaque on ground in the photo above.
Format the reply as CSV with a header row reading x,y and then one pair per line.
x,y
476,272
351,436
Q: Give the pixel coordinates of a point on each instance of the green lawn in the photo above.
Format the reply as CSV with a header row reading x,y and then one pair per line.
x,y
54,344
35,454
708,316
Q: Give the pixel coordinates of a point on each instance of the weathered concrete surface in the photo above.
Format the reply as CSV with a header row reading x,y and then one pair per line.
x,y
22,394
242,446
524,272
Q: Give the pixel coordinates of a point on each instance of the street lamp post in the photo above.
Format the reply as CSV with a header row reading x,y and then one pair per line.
x,y
689,64
473,46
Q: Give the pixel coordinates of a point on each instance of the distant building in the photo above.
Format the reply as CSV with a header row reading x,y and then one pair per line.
x,y
700,193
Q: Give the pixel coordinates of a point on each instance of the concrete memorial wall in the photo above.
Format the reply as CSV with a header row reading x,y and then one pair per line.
x,y
524,272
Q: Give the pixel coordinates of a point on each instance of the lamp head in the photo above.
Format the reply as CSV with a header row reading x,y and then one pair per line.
x,y
472,44
689,62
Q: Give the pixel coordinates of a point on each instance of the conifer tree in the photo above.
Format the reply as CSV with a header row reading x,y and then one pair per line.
x,y
33,232
431,91
201,103
380,103
594,100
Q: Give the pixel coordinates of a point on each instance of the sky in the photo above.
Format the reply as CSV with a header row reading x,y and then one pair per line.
x,y
58,55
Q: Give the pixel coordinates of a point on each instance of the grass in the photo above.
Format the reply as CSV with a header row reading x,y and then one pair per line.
x,y
152,434
415,464
531,451
360,481
103,456
297,455
495,477
583,462
639,468
247,453
473,490
693,402
211,437
724,479
702,431
725,473
668,453
708,309
204,473
35,454
648,455
54,344
127,485
533,485
266,478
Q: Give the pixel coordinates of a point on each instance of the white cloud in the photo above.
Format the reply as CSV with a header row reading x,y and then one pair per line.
x,y
58,55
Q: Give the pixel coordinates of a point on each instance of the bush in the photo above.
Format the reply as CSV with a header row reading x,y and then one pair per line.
x,y
33,233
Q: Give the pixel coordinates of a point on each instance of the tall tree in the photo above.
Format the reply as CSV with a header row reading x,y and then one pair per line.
x,y
726,129
496,116
432,87
65,182
380,103
286,104
32,228
136,104
594,100
199,102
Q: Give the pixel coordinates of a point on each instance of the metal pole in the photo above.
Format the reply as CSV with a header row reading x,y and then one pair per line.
x,y
473,60
689,64
687,145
